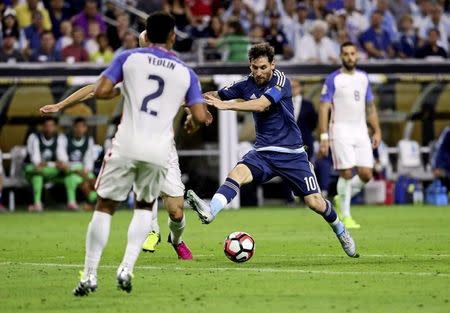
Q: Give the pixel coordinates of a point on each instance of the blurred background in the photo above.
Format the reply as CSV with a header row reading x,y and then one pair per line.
x,y
51,48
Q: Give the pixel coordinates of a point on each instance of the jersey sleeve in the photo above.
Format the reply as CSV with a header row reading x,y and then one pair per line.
x,y
281,89
33,149
328,90
114,72
194,93
61,148
232,92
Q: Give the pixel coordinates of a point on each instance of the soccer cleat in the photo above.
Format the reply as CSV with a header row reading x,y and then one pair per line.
x,y
72,206
153,239
198,205
124,277
348,244
350,223
86,285
337,205
181,249
37,207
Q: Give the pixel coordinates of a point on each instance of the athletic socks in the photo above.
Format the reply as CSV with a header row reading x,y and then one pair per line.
x,y
96,239
154,221
344,190
226,192
357,184
137,232
331,217
176,230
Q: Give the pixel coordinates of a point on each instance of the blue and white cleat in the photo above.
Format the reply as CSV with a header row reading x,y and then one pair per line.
x,y
201,207
124,277
87,284
348,244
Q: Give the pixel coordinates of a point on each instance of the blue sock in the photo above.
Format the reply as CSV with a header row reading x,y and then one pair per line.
x,y
226,192
331,217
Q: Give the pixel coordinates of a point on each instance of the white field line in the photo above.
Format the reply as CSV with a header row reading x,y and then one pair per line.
x,y
290,256
240,269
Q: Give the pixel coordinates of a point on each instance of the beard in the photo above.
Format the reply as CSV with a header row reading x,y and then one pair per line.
x,y
349,66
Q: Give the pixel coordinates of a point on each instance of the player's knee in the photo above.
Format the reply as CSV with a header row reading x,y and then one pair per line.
x,y
365,175
315,202
346,174
175,209
241,174
106,205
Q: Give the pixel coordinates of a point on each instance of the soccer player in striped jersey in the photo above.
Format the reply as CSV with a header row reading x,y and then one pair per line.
x,y
278,149
348,94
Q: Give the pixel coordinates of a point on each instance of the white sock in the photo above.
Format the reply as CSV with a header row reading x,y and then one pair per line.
x,y
155,225
344,190
137,232
96,239
357,185
176,230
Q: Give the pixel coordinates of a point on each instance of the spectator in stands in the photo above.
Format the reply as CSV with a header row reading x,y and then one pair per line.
x,y
242,12
375,40
90,44
316,47
303,23
420,16
105,54
10,26
129,42
355,22
438,21
216,27
34,31
47,51
25,12
319,10
288,14
234,43
88,16
399,7
76,51
66,36
407,43
305,115
116,33
257,33
200,8
46,156
183,20
79,147
150,5
440,161
432,50
9,54
58,13
388,23
277,39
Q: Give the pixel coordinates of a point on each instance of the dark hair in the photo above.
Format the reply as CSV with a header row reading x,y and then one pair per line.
x,y
46,119
434,30
236,25
46,32
159,25
79,119
261,50
347,44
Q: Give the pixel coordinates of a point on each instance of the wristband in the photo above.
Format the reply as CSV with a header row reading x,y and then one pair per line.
x,y
324,136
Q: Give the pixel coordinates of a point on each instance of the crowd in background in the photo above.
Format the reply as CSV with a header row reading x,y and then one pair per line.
x,y
300,31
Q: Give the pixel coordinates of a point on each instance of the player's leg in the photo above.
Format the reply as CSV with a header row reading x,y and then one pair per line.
x,y
177,224
147,187
37,183
364,164
71,182
299,173
154,237
252,167
110,195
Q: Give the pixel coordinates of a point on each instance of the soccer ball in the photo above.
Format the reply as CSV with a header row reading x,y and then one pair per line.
x,y
239,247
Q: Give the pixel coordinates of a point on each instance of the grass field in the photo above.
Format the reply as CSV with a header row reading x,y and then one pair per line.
x,y
298,265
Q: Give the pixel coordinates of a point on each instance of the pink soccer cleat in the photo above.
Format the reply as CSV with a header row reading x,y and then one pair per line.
x,y
181,249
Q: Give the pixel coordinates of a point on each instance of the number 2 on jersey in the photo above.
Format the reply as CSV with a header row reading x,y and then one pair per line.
x,y
154,95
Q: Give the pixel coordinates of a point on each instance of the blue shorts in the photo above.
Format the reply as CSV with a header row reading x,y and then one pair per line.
x,y
293,168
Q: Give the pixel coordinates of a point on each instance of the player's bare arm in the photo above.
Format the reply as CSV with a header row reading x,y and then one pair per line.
x,y
104,89
256,105
372,119
324,110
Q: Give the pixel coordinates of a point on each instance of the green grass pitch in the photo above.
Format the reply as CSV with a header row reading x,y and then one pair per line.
x,y
298,265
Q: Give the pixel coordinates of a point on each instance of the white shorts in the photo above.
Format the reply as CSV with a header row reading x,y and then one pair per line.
x,y
350,152
173,186
119,174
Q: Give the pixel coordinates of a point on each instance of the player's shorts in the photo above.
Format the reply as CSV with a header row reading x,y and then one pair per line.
x,y
293,168
119,174
350,152
173,186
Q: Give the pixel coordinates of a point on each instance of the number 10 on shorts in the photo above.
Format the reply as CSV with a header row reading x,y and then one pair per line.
x,y
310,183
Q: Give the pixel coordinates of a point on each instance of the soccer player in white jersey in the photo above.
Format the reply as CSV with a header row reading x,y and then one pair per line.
x,y
155,83
347,92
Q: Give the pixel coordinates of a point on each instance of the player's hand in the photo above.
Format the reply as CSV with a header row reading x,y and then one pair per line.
x,y
438,172
376,140
50,108
189,125
62,166
217,103
324,146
